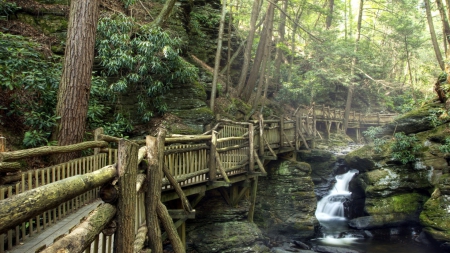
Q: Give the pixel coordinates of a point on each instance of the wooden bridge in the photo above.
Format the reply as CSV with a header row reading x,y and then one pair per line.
x,y
134,179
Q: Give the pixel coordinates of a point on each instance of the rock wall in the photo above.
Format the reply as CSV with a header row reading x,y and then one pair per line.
x,y
396,194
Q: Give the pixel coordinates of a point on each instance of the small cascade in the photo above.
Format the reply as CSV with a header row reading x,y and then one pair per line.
x,y
332,205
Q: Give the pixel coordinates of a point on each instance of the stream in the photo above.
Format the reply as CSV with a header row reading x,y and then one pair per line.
x,y
335,232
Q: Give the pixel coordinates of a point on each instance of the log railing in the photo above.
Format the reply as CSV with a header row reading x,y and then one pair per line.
x,y
32,200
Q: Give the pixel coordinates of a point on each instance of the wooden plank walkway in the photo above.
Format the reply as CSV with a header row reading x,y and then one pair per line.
x,y
49,235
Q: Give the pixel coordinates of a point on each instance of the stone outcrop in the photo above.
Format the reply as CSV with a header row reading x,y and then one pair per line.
x,y
395,194
286,201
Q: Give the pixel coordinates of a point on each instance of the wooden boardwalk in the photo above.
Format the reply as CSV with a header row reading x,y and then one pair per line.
x,y
229,157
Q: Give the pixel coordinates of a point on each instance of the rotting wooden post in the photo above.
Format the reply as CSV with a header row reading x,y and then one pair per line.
x,y
153,194
212,157
251,147
281,131
251,211
97,137
126,205
168,225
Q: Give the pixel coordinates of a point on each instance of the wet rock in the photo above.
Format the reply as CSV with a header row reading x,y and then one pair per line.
x,y
286,202
329,249
301,245
382,221
435,218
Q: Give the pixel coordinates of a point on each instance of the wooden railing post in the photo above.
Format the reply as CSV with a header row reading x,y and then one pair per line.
x,y
261,136
281,131
251,165
97,132
2,144
153,193
126,214
212,157
314,122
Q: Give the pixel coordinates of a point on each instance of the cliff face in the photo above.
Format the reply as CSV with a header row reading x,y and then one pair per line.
x,y
393,193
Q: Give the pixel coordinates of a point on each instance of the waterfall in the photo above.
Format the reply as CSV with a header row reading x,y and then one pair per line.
x,y
331,206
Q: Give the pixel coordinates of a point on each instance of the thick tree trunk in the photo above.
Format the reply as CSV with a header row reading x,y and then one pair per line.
x,y
248,47
445,23
26,205
73,93
218,54
437,51
84,234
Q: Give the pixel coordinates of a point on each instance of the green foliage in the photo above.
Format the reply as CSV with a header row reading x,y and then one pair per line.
x,y
445,148
436,116
144,59
120,126
7,8
378,143
31,82
405,148
127,3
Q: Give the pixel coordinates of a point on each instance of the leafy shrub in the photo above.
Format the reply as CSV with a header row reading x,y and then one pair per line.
x,y
7,8
404,148
445,148
31,82
140,57
378,143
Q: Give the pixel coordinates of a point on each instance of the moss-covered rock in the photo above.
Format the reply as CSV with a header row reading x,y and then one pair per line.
x,y
435,218
407,203
361,159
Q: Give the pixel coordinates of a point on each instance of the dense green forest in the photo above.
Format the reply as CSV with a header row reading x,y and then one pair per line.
x,y
368,56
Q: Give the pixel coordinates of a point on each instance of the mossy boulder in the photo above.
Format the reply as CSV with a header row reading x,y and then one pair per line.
x,y
361,159
435,218
409,204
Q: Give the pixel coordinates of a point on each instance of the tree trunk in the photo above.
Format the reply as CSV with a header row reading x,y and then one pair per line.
x,y
218,54
84,234
294,34
330,14
254,73
73,93
279,52
348,103
248,47
445,24
437,51
164,14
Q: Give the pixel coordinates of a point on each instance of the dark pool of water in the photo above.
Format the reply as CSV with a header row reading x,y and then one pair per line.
x,y
336,233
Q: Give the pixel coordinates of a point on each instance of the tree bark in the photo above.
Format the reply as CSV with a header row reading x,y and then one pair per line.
x,y
84,234
437,51
26,205
218,55
445,23
248,47
75,85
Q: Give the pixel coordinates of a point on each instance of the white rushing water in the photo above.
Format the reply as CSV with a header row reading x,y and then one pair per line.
x,y
332,205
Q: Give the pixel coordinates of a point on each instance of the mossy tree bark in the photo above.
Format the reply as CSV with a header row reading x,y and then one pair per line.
x,y
75,85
